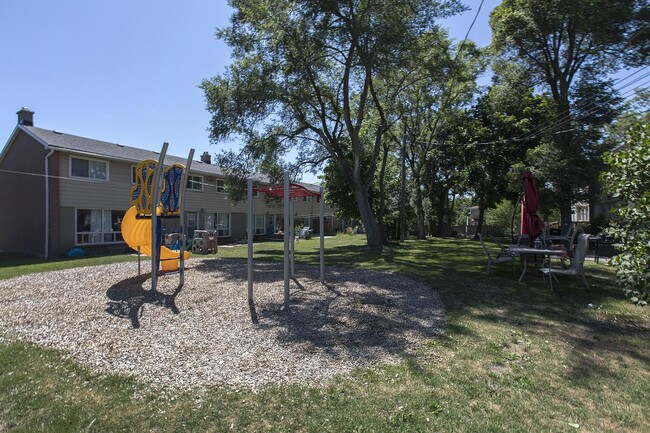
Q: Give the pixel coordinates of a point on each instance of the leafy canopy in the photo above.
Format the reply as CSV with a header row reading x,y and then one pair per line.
x,y
305,75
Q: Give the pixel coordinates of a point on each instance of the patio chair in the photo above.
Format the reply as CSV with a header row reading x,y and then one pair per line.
x,y
569,237
577,263
502,256
305,233
496,241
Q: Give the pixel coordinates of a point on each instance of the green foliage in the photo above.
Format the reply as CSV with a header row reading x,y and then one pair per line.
x,y
569,46
628,179
501,214
506,110
316,76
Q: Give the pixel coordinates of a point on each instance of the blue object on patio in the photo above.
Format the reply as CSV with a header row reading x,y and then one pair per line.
x,y
76,252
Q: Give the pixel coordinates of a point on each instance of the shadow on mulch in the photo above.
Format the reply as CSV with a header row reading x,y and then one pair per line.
x,y
127,299
355,309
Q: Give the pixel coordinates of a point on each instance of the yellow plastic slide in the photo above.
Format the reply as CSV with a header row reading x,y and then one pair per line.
x,y
137,233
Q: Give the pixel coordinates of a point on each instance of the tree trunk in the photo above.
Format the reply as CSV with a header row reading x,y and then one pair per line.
x,y
565,208
382,197
432,223
402,189
567,170
441,207
367,218
419,206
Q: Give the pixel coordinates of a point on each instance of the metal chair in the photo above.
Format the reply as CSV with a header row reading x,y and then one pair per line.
x,y
577,263
502,257
569,237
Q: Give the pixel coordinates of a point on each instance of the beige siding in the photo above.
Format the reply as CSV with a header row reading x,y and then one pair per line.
x,y
114,195
67,228
212,201
238,225
96,194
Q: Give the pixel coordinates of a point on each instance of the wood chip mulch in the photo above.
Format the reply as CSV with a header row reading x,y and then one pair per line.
x,y
206,334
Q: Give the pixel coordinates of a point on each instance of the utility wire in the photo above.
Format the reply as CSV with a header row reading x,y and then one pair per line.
x,y
545,125
536,135
446,95
71,179
591,109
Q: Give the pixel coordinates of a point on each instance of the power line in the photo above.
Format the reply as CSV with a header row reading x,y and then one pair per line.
x,y
446,95
71,179
593,109
545,126
468,31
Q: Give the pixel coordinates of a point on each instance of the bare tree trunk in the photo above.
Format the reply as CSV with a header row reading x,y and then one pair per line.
x,y
402,189
382,196
565,208
369,224
441,207
419,206
567,150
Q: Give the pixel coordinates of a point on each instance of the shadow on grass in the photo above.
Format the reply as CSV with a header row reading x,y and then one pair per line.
x,y
455,270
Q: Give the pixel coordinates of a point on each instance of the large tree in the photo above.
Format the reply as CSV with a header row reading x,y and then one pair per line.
x,y
304,75
568,44
437,86
505,110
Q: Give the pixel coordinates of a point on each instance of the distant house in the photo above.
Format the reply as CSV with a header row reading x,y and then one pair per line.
x,y
59,191
580,212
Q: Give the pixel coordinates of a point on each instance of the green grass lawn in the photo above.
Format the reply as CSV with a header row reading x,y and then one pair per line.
x,y
15,265
514,357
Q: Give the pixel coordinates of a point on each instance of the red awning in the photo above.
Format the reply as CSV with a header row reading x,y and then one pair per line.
x,y
295,190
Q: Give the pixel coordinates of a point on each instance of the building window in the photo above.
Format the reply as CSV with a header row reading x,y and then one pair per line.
x,y
191,219
222,224
195,182
98,226
88,168
191,223
221,185
133,167
259,224
307,199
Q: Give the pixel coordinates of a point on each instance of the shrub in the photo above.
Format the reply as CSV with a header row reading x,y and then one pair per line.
x,y
629,179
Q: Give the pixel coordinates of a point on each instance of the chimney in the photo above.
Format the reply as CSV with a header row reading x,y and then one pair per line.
x,y
25,117
206,158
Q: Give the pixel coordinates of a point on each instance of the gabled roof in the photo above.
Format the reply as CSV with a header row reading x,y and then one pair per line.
x,y
103,149
114,151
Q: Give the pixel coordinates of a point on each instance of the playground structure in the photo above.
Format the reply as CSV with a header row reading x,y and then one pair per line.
x,y
289,192
204,242
158,193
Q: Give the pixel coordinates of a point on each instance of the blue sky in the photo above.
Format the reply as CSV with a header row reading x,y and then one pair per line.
x,y
127,71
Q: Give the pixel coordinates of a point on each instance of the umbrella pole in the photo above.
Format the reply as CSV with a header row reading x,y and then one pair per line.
x,y
514,212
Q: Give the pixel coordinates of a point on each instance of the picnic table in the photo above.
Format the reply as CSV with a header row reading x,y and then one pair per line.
x,y
525,252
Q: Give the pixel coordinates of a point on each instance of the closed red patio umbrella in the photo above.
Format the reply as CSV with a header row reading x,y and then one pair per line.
x,y
531,224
